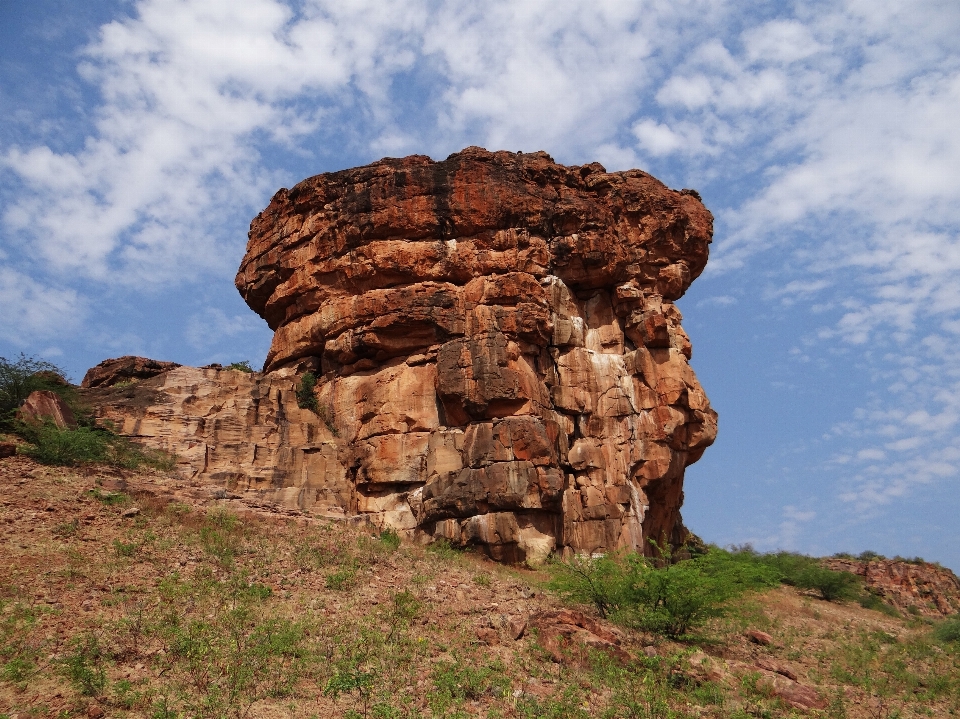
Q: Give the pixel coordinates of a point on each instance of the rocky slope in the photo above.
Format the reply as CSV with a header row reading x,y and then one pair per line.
x,y
915,587
112,577
500,361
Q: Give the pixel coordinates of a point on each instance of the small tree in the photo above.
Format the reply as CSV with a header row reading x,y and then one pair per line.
x,y
306,399
20,377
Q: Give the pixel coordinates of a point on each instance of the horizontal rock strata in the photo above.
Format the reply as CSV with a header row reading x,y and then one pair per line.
x,y
240,431
497,343
498,355
916,587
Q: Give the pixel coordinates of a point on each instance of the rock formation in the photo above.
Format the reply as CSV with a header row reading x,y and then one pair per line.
x,y
124,369
499,358
42,405
916,587
233,430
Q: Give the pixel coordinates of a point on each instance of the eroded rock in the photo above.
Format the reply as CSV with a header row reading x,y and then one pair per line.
x,y
919,587
124,369
45,406
500,360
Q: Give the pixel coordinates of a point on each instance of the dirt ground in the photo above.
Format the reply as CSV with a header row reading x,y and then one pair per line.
x,y
132,593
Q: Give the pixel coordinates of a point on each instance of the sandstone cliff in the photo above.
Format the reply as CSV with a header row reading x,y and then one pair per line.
x,y
500,361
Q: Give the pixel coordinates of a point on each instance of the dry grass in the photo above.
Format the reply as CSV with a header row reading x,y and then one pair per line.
x,y
189,609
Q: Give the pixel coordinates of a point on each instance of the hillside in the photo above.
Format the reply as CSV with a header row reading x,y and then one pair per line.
x,y
131,594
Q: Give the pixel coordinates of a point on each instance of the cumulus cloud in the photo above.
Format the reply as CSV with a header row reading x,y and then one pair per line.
x,y
192,92
33,310
836,121
846,112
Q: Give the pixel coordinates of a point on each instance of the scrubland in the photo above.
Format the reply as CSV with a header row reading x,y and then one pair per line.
x,y
120,600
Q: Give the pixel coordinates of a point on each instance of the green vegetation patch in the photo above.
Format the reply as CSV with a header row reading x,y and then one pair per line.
x,y
53,445
20,377
660,596
948,630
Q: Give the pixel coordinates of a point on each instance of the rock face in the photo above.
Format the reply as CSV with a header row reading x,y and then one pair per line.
x,y
921,588
43,405
234,431
124,369
496,342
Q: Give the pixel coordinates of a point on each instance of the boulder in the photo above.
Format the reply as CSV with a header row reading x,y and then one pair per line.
x,y
569,636
43,405
124,369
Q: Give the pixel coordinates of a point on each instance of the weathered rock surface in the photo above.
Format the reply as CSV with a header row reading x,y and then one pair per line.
x,y
237,430
499,357
43,405
767,674
923,588
124,369
569,636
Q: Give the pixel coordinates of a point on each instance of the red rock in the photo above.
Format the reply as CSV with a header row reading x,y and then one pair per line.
x,y
517,626
499,358
793,693
758,637
569,636
488,636
922,587
775,681
124,369
777,667
7,449
43,405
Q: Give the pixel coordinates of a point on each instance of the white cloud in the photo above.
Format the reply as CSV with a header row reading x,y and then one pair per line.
x,y
187,87
657,139
34,311
790,527
781,41
847,113
720,300
836,121
209,328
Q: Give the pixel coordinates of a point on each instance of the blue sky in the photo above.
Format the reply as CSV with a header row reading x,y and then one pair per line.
x,y
138,139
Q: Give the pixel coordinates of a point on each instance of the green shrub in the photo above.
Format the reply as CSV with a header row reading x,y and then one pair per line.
x,y
456,682
342,579
24,375
390,539
109,498
948,630
124,549
17,669
306,399
243,366
19,649
670,599
224,648
220,537
869,600
52,445
805,572
599,581
444,549
83,666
